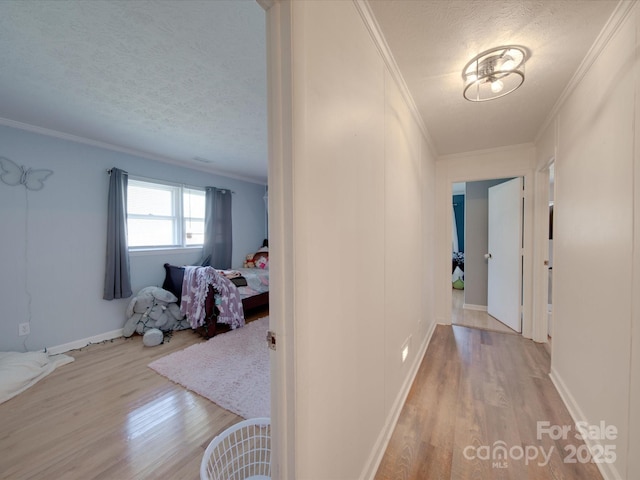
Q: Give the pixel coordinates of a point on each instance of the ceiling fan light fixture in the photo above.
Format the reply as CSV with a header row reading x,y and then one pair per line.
x,y
494,73
508,63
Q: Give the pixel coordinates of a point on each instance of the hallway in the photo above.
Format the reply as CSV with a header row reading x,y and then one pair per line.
x,y
478,395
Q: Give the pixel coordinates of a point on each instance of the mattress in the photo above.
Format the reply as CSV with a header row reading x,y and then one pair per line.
x,y
257,281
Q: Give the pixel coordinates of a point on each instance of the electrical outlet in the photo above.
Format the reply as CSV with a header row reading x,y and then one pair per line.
x,y
24,329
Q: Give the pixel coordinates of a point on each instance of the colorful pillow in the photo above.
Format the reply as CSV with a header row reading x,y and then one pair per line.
x,y
261,259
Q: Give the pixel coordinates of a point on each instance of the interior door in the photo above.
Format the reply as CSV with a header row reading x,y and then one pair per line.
x,y
505,253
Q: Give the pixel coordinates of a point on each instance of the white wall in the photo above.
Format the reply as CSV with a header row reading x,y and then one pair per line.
x,y
633,468
362,182
53,240
595,287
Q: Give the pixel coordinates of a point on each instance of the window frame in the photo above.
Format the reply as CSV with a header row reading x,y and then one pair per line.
x,y
178,218
186,218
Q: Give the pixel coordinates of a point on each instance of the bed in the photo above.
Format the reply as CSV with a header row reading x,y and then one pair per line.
x,y
457,260
457,269
252,286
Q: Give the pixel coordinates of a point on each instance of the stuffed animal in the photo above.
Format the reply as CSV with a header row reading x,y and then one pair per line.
x,y
260,259
150,313
248,262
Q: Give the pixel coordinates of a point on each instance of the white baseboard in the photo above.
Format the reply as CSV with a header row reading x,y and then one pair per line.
x,y
85,341
380,447
608,470
471,306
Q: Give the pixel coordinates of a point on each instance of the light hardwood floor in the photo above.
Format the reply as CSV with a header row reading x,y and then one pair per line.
x,y
475,388
474,318
108,416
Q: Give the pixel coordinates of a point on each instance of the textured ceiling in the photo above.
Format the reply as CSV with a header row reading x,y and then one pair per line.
x,y
173,79
433,40
185,79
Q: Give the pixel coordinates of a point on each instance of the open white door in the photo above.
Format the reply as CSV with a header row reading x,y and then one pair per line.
x,y
504,298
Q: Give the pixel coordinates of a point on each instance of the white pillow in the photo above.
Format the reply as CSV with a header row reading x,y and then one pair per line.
x,y
19,371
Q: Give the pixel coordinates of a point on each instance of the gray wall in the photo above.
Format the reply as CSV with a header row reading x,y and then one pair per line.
x,y
476,241
53,240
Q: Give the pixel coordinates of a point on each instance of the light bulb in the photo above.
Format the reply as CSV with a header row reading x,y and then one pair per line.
x,y
497,86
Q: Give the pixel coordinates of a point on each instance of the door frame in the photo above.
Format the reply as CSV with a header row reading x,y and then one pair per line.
x,y
280,213
541,250
503,162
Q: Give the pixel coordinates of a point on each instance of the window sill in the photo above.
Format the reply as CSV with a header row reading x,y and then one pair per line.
x,y
141,252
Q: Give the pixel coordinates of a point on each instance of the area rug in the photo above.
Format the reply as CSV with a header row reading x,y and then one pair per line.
x,y
230,369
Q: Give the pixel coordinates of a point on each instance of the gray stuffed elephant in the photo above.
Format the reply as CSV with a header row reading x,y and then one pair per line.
x,y
150,313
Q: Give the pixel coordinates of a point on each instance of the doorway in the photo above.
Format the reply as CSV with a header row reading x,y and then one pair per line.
x,y
470,257
549,260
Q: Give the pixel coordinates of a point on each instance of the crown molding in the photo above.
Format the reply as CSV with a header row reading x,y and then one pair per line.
x,y
266,4
617,18
128,151
363,8
486,151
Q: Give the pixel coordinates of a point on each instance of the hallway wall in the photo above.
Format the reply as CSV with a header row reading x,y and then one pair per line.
x,y
360,185
595,287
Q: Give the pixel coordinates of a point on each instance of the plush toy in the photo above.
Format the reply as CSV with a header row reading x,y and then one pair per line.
x,y
260,259
150,313
248,262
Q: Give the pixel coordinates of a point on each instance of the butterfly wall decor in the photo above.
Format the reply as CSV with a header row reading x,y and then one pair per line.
x,y
13,174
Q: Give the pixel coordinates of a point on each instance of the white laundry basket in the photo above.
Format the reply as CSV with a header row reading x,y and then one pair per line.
x,y
241,452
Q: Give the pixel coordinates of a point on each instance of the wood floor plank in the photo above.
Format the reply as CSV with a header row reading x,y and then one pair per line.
x,y
474,318
108,416
473,413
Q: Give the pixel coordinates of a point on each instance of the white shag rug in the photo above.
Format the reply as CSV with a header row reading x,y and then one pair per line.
x,y
21,370
230,369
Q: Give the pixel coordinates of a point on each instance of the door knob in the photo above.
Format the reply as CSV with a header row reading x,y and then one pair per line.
x,y
487,256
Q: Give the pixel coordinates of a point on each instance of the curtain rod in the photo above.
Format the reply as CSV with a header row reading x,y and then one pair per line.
x,y
166,181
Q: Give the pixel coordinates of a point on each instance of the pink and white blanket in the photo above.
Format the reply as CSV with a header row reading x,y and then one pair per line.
x,y
195,286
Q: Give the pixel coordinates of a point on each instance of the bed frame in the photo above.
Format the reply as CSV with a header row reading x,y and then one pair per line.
x,y
173,283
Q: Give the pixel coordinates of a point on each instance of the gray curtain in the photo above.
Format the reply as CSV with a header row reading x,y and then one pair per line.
x,y
217,247
117,278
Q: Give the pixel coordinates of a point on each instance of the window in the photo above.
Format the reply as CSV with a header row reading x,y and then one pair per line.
x,y
193,217
164,215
